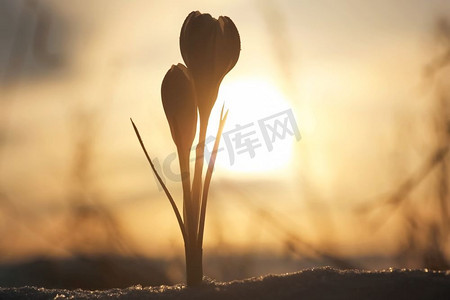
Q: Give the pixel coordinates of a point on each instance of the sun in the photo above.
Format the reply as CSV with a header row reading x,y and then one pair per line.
x,y
257,112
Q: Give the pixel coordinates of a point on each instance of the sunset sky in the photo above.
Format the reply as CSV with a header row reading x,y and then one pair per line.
x,y
351,73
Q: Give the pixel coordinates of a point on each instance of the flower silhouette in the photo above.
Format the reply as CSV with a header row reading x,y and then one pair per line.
x,y
210,48
178,98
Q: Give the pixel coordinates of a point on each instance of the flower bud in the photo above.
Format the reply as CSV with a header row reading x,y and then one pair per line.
x,y
178,98
210,48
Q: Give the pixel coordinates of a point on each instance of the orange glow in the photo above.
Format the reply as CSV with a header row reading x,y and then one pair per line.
x,y
250,100
350,71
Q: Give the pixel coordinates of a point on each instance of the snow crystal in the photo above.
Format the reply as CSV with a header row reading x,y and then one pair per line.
x,y
318,283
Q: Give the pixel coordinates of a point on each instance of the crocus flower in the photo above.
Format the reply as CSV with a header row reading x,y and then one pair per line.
x,y
178,98
210,48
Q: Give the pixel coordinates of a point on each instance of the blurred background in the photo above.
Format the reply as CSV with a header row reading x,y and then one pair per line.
x,y
364,183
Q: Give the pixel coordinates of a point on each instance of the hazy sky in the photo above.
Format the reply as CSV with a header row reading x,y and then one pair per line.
x,y
349,70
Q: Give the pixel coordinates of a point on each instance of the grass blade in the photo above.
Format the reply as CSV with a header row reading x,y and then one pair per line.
x,y
169,196
208,177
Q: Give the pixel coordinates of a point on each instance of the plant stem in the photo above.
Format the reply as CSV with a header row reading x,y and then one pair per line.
x,y
183,157
194,265
194,268
197,182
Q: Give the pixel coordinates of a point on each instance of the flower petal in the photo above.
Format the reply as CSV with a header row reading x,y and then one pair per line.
x,y
178,98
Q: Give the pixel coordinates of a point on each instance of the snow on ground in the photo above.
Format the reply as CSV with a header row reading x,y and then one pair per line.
x,y
320,283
